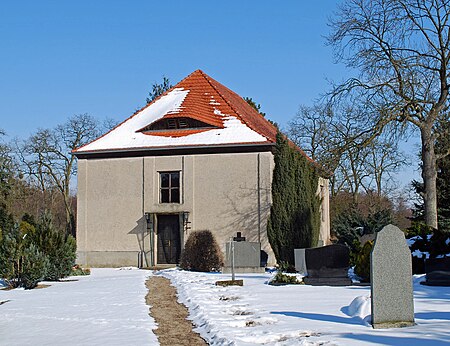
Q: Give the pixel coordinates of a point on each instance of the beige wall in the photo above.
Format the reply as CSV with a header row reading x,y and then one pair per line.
x,y
220,191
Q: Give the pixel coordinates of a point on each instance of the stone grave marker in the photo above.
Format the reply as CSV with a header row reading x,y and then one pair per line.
x,y
327,266
438,271
246,256
391,280
300,261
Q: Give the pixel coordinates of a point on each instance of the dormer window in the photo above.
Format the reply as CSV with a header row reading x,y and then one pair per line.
x,y
180,123
176,124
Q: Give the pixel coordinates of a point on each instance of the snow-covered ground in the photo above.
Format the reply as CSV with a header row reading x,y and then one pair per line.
x,y
260,314
105,308
108,308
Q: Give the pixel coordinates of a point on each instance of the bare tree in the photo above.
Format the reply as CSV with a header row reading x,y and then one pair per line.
x,y
401,49
339,139
6,169
383,160
46,157
310,130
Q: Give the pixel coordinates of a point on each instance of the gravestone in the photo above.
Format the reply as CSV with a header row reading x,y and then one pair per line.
x,y
247,257
437,271
327,265
391,280
300,261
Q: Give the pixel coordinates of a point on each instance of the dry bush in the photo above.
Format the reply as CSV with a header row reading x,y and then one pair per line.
x,y
201,253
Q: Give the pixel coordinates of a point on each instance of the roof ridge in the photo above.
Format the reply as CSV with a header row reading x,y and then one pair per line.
x,y
230,105
204,75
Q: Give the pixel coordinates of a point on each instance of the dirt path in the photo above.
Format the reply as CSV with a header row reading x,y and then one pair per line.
x,y
173,327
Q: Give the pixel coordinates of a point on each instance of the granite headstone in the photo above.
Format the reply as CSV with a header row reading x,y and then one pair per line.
x,y
300,261
247,257
327,265
391,280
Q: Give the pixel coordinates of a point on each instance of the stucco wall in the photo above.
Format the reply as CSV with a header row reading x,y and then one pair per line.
x,y
109,218
220,191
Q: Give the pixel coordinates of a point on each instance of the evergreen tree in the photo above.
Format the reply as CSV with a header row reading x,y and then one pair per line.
x,y
158,89
294,220
22,264
351,224
6,219
34,266
255,105
59,248
30,253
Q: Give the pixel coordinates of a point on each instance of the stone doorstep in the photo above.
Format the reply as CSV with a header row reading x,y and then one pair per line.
x,y
160,267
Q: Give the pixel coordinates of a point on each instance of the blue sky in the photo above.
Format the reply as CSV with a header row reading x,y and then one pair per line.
x,y
60,58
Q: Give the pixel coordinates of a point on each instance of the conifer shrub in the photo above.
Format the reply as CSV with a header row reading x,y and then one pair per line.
x,y
6,219
10,250
21,262
201,253
34,266
362,261
285,279
58,247
31,254
351,224
283,276
294,220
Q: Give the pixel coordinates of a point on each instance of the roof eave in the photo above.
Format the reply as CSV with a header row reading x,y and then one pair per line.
x,y
172,148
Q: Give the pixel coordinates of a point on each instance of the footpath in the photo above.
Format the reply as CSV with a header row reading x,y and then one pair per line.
x,y
171,317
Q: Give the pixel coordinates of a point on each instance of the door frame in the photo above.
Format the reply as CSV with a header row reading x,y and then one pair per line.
x,y
156,235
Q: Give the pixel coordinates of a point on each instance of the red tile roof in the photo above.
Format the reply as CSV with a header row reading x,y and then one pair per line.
x,y
204,99
207,96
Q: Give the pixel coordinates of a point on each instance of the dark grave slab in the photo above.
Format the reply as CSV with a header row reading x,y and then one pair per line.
x,y
327,266
437,271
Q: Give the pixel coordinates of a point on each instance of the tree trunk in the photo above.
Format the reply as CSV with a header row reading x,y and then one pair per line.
x,y
429,175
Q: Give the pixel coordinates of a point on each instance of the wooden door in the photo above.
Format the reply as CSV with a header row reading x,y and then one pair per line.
x,y
169,245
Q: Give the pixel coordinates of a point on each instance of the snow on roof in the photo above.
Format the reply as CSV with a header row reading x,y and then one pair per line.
x,y
227,118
